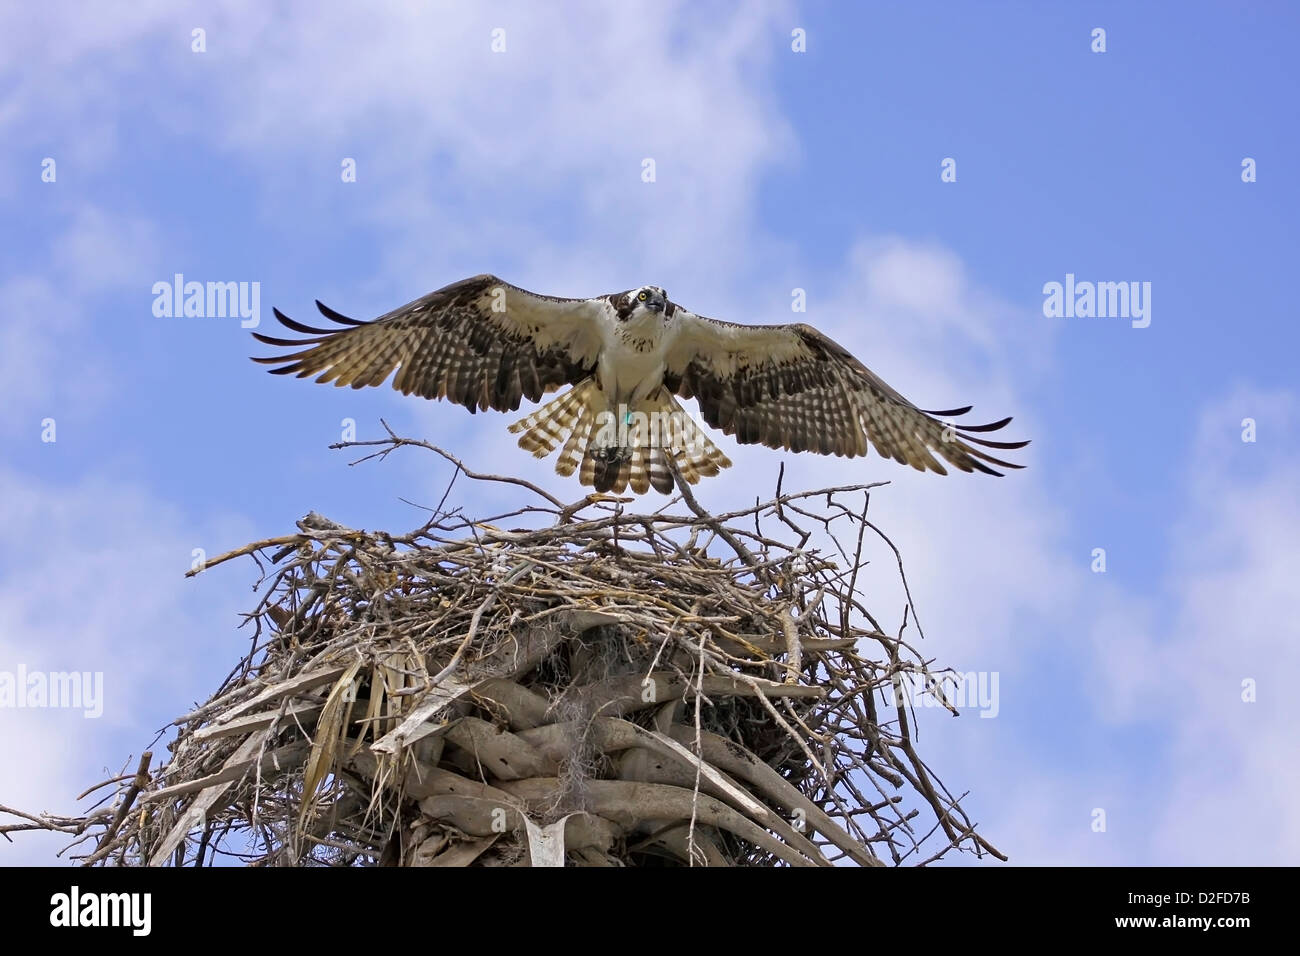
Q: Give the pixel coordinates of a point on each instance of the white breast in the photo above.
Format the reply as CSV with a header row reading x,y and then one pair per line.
x,y
632,361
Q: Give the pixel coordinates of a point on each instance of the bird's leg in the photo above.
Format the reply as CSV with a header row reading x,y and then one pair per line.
x,y
613,454
613,444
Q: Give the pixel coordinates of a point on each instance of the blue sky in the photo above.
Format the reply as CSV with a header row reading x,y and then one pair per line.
x,y
775,170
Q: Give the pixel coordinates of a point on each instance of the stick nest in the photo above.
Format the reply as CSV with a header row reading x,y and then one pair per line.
x,y
559,685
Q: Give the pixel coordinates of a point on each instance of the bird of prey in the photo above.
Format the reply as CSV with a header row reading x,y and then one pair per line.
x,y
629,356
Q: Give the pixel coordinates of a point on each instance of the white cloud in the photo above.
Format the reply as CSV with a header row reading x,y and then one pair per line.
x,y
1234,564
419,99
1187,772
51,363
93,582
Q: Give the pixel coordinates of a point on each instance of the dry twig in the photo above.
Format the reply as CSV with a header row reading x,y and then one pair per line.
x,y
666,687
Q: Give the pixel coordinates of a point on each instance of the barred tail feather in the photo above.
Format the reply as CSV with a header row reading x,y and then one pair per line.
x,y
644,449
661,478
544,428
650,469
572,452
695,455
572,423
612,475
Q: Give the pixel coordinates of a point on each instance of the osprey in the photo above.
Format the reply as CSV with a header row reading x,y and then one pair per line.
x,y
484,343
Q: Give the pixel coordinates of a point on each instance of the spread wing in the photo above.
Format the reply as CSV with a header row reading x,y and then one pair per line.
x,y
482,343
789,386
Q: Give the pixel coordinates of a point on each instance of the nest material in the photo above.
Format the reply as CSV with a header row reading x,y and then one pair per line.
x,y
598,688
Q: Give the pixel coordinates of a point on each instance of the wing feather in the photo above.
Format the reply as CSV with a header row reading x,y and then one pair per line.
x,y
482,343
791,387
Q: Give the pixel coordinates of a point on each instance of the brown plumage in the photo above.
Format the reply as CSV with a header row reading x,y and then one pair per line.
x,y
485,344
791,387
450,344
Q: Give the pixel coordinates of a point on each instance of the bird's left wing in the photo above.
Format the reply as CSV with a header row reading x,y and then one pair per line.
x,y
791,387
481,342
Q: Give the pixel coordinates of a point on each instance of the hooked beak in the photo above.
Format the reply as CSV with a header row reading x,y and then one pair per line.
x,y
656,302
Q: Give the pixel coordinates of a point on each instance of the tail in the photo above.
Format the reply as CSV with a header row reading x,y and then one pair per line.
x,y
610,454
567,416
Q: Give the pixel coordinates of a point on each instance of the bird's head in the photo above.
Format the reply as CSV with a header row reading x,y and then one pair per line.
x,y
649,300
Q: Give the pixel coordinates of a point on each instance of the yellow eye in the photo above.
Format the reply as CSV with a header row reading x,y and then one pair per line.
x,y
641,297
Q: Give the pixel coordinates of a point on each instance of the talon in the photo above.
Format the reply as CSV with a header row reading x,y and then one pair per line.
x,y
611,455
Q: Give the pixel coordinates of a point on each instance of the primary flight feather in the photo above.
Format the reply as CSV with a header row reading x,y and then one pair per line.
x,y
486,344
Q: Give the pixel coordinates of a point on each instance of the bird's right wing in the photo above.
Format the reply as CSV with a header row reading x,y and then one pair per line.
x,y
789,386
482,343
